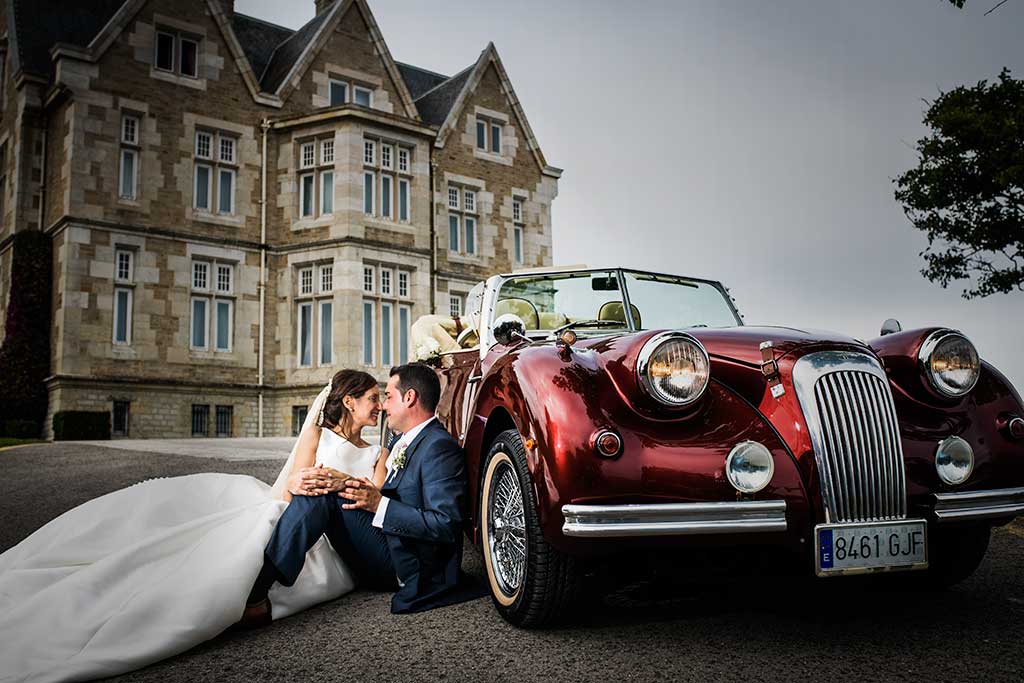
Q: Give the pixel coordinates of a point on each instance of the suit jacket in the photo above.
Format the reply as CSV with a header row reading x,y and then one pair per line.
x,y
423,523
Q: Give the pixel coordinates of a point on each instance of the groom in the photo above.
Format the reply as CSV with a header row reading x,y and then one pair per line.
x,y
407,533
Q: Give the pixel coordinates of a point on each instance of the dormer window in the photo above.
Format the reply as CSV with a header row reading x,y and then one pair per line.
x,y
342,91
488,135
362,96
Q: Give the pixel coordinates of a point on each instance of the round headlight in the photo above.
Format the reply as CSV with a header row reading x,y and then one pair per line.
x,y
950,362
749,467
674,368
954,460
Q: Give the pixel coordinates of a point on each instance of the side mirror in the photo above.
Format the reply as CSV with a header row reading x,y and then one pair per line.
x,y
890,326
508,328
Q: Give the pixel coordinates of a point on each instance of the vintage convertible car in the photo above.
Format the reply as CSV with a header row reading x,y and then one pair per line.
x,y
613,411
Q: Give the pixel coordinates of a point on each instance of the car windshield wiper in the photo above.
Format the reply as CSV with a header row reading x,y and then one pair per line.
x,y
589,323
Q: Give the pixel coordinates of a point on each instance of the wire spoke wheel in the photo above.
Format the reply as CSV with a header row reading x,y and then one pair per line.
x,y
506,528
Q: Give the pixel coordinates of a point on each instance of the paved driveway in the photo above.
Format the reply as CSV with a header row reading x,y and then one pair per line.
x,y
751,630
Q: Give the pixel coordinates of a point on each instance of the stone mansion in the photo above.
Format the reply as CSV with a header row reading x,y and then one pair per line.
x,y
238,210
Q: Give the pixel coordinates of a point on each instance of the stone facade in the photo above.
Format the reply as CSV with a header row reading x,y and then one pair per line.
x,y
215,241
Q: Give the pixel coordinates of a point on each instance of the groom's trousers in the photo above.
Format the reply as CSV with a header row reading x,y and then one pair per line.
x,y
361,545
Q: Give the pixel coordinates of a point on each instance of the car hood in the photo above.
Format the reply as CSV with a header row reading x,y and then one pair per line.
x,y
734,352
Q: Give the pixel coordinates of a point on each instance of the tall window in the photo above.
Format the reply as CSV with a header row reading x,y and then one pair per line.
x,y
200,420
213,304
387,315
129,176
455,305
517,231
314,330
488,135
387,180
176,52
462,220
225,415
316,178
216,172
123,293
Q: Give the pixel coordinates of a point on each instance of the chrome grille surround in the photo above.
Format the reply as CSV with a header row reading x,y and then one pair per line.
x,y
852,424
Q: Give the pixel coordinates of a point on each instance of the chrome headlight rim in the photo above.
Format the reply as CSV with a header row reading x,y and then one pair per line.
x,y
757,445
924,354
945,445
644,358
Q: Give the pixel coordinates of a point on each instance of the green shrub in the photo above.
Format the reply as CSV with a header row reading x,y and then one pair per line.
x,y
21,429
81,425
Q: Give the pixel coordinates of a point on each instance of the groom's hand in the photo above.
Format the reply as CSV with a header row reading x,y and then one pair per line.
x,y
316,481
363,494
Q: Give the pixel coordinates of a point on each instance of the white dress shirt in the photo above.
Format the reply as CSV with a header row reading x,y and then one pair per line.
x,y
407,438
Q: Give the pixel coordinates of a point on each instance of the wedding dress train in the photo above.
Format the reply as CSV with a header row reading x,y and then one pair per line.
x,y
152,570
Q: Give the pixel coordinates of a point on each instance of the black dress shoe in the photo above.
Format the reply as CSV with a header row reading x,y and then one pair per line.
x,y
256,615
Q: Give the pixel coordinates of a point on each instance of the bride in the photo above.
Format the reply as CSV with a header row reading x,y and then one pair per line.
x,y
152,570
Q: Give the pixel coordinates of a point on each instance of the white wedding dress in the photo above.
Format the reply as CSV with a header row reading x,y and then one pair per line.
x,y
152,570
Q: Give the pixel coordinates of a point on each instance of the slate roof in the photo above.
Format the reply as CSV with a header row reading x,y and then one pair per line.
x,y
41,23
272,50
435,104
419,80
258,39
288,52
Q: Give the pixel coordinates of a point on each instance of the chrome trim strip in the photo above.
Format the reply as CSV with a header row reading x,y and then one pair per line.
x,y
674,519
971,505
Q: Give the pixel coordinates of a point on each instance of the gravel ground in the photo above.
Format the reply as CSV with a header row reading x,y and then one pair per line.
x,y
821,630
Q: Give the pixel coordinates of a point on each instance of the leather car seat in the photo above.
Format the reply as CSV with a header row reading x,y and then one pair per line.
x,y
614,310
526,311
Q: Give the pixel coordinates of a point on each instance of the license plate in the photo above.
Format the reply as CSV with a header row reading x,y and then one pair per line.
x,y
863,548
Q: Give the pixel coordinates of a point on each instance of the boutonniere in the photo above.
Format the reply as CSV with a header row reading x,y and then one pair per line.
x,y
398,459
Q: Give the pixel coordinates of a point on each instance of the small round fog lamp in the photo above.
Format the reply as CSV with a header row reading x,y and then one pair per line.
x,y
749,467
954,460
608,444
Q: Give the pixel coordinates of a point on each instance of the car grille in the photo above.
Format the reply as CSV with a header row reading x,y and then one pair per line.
x,y
852,423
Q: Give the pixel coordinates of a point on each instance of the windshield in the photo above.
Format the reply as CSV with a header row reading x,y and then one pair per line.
x,y
663,301
547,302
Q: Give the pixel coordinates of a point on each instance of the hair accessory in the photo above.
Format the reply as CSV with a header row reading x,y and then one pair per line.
x,y
320,418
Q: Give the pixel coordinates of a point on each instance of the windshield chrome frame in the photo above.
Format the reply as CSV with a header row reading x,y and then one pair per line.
x,y
495,283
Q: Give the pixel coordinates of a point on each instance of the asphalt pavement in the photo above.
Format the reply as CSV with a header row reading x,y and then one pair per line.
x,y
752,629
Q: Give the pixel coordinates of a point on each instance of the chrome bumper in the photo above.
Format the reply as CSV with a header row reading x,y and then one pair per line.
x,y
674,519
972,505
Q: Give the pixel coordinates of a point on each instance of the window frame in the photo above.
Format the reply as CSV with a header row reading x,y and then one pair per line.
x,y
192,323
298,333
156,51
220,190
331,82
356,89
133,192
181,56
128,316
217,301
309,195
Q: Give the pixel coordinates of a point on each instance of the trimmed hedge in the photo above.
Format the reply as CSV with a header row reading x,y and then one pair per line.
x,y
25,353
20,429
81,425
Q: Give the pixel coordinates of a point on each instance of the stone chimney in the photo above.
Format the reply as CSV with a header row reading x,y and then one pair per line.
x,y
323,5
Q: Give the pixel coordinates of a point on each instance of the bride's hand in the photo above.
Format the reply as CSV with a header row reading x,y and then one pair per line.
x,y
316,481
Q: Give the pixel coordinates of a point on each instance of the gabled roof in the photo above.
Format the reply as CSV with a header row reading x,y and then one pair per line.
x,y
259,39
36,25
419,80
437,100
434,105
287,53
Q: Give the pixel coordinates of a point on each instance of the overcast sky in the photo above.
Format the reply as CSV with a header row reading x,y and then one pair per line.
x,y
750,142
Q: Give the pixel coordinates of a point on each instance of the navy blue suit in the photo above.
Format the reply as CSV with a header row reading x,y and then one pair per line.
x,y
420,544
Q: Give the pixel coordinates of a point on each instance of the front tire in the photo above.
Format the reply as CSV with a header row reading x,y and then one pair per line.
x,y
532,584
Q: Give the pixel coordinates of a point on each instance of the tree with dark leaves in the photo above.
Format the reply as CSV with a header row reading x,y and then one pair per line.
x,y
967,191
